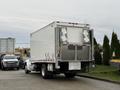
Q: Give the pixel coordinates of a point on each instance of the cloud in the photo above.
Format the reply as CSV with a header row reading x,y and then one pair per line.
x,y
21,17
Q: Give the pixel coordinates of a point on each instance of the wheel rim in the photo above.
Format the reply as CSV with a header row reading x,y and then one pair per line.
x,y
43,72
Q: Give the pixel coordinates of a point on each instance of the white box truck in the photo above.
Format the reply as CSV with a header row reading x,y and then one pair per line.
x,y
61,47
7,45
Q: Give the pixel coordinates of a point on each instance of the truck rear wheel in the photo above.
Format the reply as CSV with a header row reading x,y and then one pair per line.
x,y
44,71
26,70
70,75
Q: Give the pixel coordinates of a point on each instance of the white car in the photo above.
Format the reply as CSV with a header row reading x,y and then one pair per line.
x,y
9,61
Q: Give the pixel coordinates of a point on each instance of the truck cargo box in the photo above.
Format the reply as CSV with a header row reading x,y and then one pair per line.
x,y
62,41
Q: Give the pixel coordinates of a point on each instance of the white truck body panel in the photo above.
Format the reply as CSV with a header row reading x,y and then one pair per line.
x,y
43,44
7,45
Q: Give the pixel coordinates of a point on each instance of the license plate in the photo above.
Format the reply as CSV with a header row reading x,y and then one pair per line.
x,y
74,65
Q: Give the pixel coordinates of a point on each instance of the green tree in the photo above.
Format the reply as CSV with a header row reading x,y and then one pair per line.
x,y
106,51
97,53
115,46
95,42
117,50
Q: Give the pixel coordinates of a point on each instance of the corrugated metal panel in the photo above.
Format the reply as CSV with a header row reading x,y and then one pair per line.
x,y
3,45
7,45
69,53
83,54
43,44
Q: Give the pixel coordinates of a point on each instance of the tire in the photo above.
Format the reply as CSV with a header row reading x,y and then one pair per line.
x,y
2,67
18,68
26,70
44,72
70,75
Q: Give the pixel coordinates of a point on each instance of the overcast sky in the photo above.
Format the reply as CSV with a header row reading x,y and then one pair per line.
x,y
18,18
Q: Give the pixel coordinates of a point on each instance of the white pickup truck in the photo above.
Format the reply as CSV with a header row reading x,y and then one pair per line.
x,y
9,61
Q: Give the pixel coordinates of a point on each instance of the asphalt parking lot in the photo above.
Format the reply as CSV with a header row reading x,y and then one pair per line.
x,y
18,80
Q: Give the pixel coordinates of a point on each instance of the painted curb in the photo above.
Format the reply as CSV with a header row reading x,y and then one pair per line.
x,y
96,78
